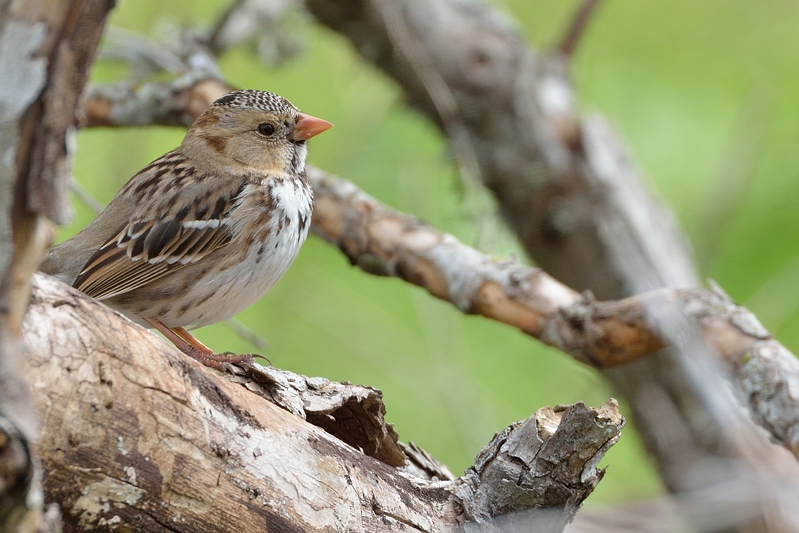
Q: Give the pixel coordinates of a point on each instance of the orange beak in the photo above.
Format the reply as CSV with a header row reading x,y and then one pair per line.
x,y
308,126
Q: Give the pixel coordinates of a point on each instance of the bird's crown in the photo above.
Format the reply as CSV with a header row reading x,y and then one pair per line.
x,y
254,99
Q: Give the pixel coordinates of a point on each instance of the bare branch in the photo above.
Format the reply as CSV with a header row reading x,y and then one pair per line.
x,y
248,19
564,183
510,455
577,27
173,103
603,334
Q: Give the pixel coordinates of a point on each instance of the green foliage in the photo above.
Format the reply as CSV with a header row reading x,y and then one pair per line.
x,y
703,92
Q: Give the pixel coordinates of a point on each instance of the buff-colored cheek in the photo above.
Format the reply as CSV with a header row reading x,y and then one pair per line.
x,y
266,159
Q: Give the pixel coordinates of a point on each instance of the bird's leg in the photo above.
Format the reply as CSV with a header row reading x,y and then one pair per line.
x,y
192,340
188,344
208,353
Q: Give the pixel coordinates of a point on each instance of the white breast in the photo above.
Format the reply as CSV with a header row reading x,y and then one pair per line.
x,y
250,276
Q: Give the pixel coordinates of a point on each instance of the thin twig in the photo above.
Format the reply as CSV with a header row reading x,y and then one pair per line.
x,y
577,27
214,42
438,89
84,196
247,334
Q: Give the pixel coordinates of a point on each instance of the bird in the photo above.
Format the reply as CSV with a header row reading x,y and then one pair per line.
x,y
205,230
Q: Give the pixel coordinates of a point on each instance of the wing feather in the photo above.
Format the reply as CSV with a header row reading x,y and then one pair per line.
x,y
141,254
145,250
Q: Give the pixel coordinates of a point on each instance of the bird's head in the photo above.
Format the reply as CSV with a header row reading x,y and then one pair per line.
x,y
253,130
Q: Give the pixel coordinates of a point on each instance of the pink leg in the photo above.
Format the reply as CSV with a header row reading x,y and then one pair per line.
x,y
188,344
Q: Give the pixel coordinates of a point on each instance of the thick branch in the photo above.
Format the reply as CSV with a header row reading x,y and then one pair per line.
x,y
136,435
176,102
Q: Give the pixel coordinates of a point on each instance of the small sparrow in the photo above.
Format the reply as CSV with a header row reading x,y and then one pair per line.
x,y
204,231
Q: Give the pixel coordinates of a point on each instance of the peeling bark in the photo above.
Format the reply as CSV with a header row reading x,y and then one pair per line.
x,y
605,335
136,436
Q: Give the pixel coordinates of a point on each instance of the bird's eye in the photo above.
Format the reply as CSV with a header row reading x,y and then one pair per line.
x,y
266,129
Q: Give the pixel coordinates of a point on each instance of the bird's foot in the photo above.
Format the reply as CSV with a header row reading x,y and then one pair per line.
x,y
188,344
215,360
248,357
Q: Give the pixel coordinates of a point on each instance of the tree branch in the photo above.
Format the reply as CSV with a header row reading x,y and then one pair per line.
x,y
136,435
566,185
43,67
602,334
576,29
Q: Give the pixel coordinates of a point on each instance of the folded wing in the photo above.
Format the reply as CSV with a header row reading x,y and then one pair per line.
x,y
144,251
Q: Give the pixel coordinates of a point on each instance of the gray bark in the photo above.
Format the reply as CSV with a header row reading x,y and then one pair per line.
x,y
43,66
137,437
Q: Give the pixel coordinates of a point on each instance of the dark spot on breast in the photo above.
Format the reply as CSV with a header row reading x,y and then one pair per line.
x,y
271,204
204,299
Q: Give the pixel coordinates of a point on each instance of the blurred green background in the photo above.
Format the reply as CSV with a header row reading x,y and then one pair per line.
x,y
705,93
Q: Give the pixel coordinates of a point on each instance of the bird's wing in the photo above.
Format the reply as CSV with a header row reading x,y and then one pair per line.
x,y
144,251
